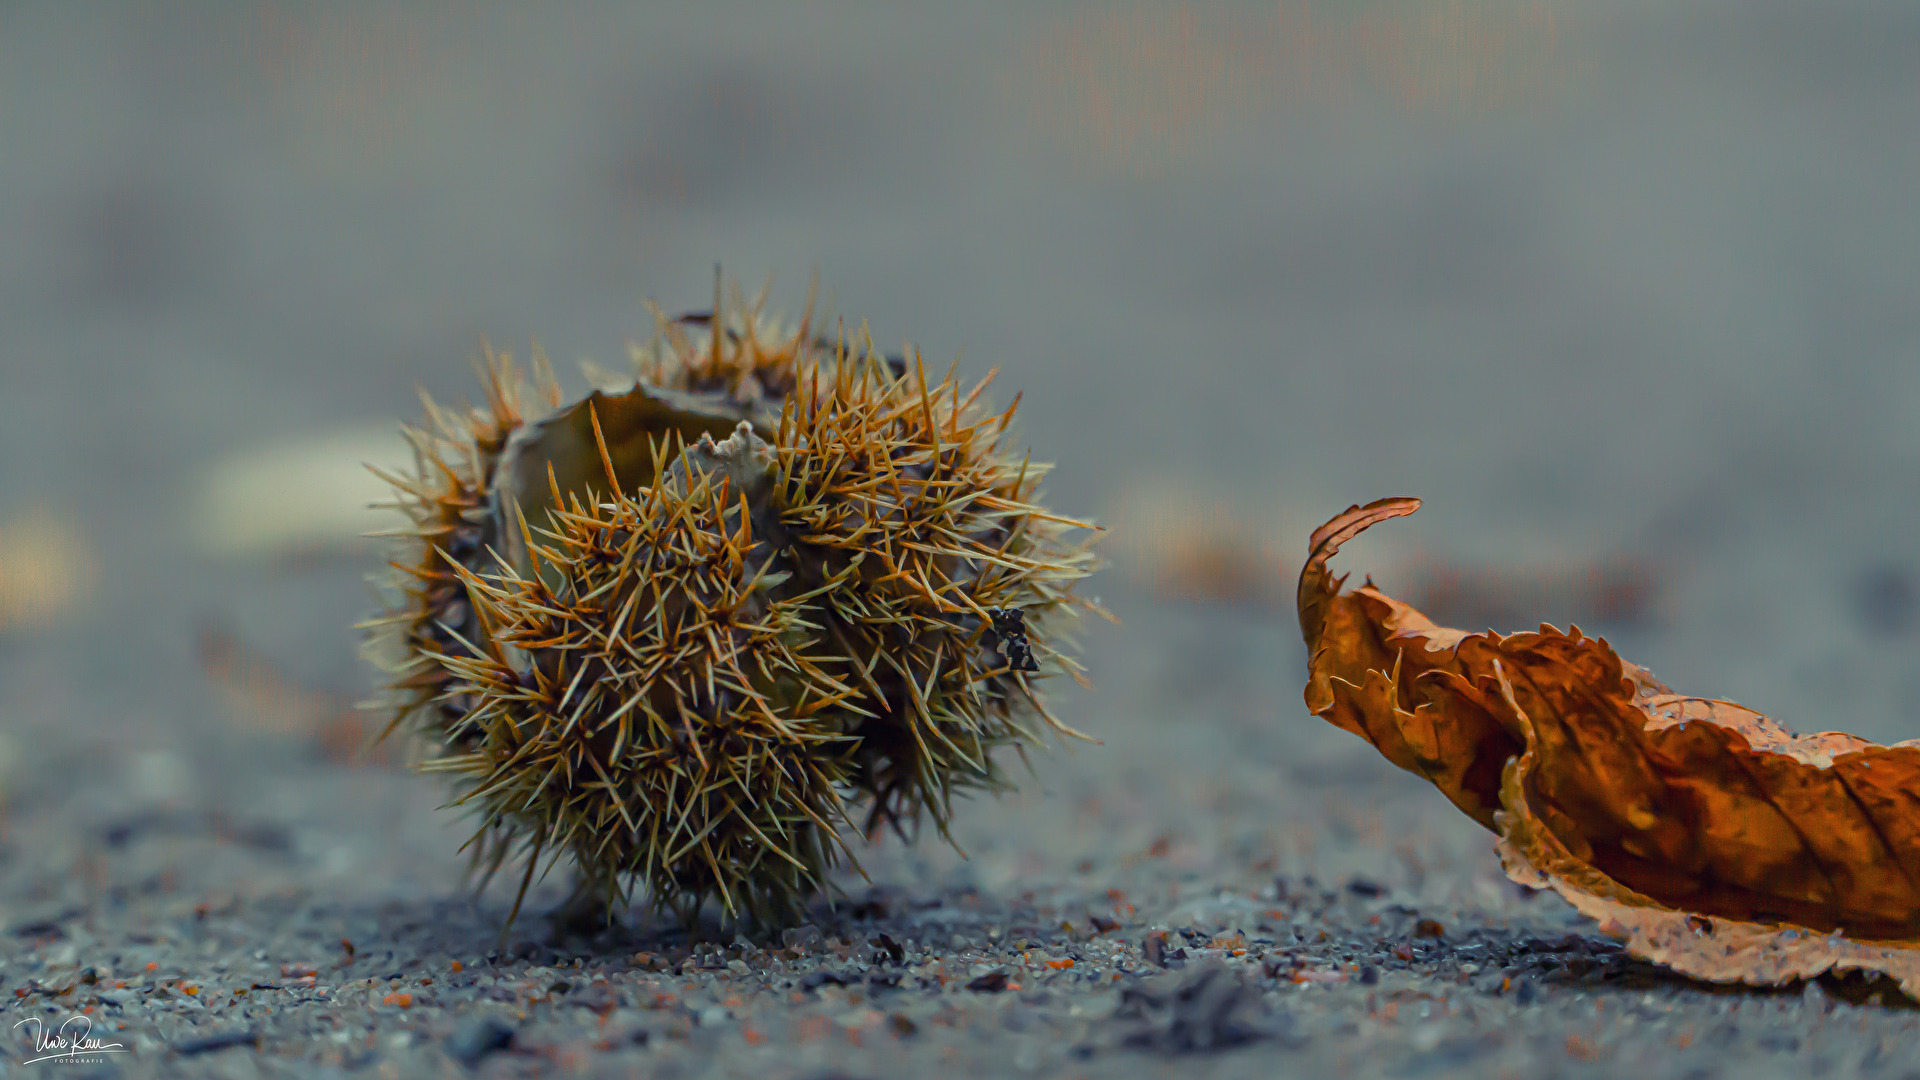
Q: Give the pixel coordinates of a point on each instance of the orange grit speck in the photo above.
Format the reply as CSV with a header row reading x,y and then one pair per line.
x,y
1581,1048
1059,965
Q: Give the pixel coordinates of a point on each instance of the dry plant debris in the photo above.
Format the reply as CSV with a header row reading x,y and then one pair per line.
x,y
1699,832
45,569
1181,548
683,631
264,698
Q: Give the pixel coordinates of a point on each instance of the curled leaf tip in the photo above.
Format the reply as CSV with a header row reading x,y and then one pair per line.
x,y
1316,584
1356,519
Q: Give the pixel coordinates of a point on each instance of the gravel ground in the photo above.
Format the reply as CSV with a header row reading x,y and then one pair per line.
x,y
1368,935
1602,285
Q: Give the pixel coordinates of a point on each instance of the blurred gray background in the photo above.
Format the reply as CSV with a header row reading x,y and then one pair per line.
x,y
1605,281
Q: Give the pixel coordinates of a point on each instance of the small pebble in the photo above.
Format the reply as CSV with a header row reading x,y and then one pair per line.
x,y
211,1043
476,1039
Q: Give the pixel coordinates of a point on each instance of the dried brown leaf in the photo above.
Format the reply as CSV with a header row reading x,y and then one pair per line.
x,y
1704,834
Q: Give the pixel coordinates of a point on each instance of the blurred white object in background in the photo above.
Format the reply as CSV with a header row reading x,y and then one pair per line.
x,y
306,495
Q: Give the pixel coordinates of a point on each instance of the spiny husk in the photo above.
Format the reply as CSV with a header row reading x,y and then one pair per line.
x,y
755,368
456,515
689,680
915,528
671,722
447,499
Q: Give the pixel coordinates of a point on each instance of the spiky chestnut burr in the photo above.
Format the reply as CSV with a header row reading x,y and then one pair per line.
x,y
447,498
455,495
929,551
899,539
659,712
